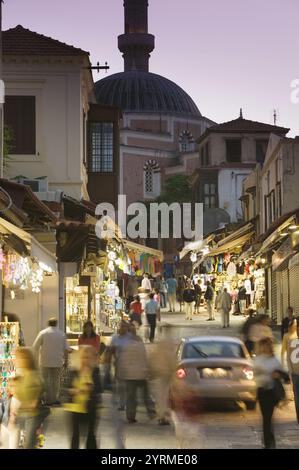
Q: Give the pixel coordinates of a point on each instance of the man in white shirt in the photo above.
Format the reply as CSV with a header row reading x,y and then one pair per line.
x,y
146,283
51,349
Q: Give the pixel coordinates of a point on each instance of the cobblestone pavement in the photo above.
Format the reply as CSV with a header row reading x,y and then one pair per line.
x,y
216,428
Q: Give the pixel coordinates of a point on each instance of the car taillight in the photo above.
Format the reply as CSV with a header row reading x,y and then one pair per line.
x,y
181,373
248,372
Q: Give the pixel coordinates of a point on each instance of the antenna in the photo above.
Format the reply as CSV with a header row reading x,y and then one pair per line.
x,y
275,116
99,67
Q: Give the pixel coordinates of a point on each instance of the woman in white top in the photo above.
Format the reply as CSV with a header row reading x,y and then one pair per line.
x,y
266,369
287,338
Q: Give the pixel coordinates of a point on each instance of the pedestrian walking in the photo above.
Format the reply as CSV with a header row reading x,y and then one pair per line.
x,y
189,297
267,371
172,285
146,283
180,291
245,331
136,310
286,321
162,362
198,294
242,299
162,286
27,391
152,311
186,408
84,393
289,348
259,330
209,298
89,337
51,349
134,371
225,304
118,342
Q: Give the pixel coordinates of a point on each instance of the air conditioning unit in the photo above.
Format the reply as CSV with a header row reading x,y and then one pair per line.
x,y
37,185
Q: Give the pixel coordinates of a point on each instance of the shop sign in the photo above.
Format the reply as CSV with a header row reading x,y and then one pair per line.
x,y
282,254
294,261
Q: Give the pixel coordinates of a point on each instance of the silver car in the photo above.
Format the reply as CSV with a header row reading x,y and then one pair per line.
x,y
217,367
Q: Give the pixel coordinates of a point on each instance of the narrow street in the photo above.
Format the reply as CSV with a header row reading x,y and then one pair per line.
x,y
217,428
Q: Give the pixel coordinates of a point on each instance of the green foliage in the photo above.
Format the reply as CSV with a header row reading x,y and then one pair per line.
x,y
176,189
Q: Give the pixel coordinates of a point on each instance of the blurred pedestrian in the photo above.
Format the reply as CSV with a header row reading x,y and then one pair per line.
x,y
189,297
134,371
162,361
259,330
225,305
84,393
172,286
152,311
286,321
186,407
157,296
117,344
52,350
286,341
27,390
245,331
89,337
267,370
210,299
136,310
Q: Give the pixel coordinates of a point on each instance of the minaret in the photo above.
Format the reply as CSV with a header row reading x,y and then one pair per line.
x,y
136,44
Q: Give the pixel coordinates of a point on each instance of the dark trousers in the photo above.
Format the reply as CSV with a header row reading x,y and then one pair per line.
x,y
30,426
152,320
295,381
81,421
131,398
267,404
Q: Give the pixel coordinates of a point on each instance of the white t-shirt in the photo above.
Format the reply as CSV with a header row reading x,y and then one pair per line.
x,y
264,366
51,345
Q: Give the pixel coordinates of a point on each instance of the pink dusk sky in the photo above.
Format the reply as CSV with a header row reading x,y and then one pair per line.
x,y
226,54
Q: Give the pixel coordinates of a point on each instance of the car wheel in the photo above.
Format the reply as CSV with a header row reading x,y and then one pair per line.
x,y
250,405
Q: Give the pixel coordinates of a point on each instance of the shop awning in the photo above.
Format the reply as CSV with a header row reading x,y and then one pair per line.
x,y
275,235
242,231
230,246
196,246
33,247
6,228
46,259
143,249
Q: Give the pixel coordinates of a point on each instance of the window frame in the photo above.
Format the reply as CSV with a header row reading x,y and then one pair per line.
x,y
20,151
99,165
230,141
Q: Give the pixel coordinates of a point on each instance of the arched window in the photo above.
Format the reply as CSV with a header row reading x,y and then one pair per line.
x,y
152,179
186,142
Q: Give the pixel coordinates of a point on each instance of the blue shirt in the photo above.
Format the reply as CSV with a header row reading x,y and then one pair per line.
x,y
172,285
152,307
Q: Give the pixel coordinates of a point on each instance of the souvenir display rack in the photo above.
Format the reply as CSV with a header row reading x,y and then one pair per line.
x,y
9,341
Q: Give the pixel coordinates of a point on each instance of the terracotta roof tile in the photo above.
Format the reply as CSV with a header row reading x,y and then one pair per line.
x,y
245,125
22,41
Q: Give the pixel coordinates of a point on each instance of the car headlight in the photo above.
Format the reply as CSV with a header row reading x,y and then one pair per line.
x,y
248,372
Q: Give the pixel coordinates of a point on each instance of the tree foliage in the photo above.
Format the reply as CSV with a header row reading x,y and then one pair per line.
x,y
176,188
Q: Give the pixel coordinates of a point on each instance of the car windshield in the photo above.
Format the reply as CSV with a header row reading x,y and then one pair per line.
x,y
209,349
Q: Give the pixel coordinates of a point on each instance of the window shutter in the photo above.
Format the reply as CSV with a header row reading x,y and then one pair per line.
x,y
20,118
